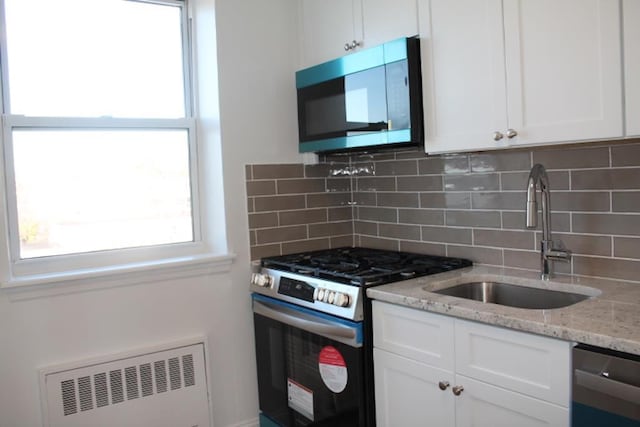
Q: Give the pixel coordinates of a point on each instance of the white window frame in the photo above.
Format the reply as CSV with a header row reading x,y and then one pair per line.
x,y
16,271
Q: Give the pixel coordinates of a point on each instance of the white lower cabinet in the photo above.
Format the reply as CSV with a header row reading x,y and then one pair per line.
x,y
435,370
408,393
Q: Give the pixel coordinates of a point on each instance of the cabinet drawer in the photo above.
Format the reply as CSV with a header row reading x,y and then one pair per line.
x,y
530,364
415,334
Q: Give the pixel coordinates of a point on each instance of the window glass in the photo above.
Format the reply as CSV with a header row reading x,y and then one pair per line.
x,y
82,191
92,58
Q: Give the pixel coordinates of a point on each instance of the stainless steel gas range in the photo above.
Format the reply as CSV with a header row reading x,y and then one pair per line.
x,y
313,331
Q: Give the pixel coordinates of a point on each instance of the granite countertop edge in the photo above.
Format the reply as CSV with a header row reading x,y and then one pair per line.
x,y
610,318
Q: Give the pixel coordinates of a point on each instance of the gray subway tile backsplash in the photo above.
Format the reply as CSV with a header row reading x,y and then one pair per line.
x,y
467,205
307,216
421,216
460,218
605,179
419,183
628,201
399,200
301,186
277,171
512,160
472,182
572,157
261,188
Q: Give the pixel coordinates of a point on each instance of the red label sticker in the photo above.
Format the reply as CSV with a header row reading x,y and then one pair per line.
x,y
333,369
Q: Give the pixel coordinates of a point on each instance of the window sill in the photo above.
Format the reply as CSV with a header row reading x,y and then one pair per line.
x,y
44,285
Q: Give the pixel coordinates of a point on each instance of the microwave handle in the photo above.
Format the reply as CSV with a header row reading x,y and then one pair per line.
x,y
608,386
309,323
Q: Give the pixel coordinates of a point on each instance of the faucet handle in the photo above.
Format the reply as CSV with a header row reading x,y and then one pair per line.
x,y
558,252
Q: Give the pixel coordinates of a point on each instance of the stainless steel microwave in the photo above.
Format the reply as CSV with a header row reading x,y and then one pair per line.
x,y
365,100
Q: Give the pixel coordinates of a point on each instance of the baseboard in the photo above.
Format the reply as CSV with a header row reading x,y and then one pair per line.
x,y
254,422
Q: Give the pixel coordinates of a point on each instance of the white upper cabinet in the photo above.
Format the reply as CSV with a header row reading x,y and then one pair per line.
x,y
333,28
327,26
501,73
386,20
631,14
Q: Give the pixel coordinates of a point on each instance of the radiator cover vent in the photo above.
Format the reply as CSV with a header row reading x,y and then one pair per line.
x,y
165,387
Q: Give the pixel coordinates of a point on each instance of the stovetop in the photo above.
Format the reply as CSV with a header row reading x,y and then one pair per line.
x,y
363,266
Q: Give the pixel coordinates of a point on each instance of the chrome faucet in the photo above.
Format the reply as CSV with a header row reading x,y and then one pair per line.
x,y
548,251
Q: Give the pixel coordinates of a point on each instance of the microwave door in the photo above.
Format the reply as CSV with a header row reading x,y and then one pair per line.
x,y
321,112
350,105
366,101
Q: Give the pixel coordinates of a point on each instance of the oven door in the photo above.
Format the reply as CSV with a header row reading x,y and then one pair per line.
x,y
310,366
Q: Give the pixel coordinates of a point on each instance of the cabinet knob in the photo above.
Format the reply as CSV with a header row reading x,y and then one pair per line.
x,y
354,44
511,133
497,136
457,390
443,385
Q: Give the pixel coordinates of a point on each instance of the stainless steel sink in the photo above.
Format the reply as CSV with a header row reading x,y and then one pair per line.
x,y
513,295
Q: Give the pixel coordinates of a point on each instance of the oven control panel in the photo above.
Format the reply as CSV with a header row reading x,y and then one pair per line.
x,y
323,295
296,288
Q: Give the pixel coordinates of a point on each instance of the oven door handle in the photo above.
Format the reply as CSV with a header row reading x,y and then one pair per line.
x,y
314,324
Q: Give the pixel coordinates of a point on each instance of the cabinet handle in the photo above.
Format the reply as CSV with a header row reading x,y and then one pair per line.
x,y
457,390
511,133
443,385
497,136
354,44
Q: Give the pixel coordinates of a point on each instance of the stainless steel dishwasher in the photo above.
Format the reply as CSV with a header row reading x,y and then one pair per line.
x,y
606,388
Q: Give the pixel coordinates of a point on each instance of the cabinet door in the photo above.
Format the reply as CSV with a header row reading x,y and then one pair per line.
x,y
483,405
563,69
386,20
529,364
408,393
462,49
326,26
631,15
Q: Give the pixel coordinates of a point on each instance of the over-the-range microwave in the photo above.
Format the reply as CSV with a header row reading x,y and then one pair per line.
x,y
365,100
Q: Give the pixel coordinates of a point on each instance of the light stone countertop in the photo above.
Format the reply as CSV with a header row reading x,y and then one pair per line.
x,y
609,319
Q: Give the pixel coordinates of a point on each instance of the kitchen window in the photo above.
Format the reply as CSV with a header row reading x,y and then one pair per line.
x,y
99,134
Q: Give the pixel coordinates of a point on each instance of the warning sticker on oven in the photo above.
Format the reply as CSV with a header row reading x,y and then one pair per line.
x,y
300,398
333,369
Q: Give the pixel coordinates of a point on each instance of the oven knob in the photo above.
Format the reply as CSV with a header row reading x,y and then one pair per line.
x,y
318,294
262,280
332,297
342,300
325,297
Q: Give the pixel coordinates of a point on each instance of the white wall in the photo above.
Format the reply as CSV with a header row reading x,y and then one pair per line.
x,y
256,51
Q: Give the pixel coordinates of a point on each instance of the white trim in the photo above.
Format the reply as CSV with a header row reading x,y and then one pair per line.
x,y
254,422
4,81
101,123
46,285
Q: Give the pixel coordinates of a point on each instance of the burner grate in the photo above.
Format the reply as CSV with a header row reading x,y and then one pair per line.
x,y
363,266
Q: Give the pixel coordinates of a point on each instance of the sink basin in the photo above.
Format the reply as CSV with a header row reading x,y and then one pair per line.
x,y
513,295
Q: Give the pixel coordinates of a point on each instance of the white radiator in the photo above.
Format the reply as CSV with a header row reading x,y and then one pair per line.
x,y
159,387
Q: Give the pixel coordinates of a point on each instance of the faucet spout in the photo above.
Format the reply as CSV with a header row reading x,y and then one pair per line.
x,y
538,179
